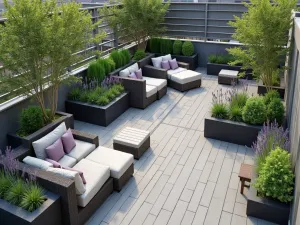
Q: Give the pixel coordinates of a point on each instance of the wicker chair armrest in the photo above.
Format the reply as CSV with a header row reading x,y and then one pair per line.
x,y
184,65
151,71
86,137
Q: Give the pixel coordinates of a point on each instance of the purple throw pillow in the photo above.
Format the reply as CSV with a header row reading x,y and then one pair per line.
x,y
139,74
165,65
55,151
132,75
68,141
75,170
54,163
173,64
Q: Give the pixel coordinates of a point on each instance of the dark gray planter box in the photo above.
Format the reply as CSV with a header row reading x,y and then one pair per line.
x,y
48,214
231,131
267,208
99,115
214,69
261,88
14,140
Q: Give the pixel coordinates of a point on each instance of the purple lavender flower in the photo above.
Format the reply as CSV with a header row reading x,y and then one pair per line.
x,y
10,164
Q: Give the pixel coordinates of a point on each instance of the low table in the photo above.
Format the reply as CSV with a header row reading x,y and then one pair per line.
x,y
245,175
228,76
185,80
133,141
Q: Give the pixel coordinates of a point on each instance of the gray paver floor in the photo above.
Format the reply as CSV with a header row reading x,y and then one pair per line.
x,y
183,178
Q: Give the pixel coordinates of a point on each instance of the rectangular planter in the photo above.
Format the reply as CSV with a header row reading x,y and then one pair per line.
x,y
261,88
230,131
49,213
99,115
266,208
14,140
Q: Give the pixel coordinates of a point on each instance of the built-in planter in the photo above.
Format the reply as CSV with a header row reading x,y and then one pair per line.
x,y
99,115
14,140
267,208
49,213
231,131
261,88
214,69
191,60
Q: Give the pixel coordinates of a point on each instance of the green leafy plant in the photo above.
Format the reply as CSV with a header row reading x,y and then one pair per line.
x,y
275,80
31,120
239,99
212,58
275,111
270,95
139,54
255,112
33,198
74,94
5,184
154,45
188,48
166,46
276,179
219,110
117,58
177,47
112,64
235,113
102,101
126,56
16,192
96,71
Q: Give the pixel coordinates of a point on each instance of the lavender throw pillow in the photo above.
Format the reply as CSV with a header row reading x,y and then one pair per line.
x,y
68,141
132,75
75,170
173,64
139,74
55,151
165,65
54,163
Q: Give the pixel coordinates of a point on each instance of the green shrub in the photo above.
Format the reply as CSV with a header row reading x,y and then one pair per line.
x,y
270,95
239,99
276,179
105,64
31,120
92,97
177,47
102,101
219,110
221,59
112,64
276,80
33,198
16,192
74,94
93,70
126,56
188,48
166,46
255,112
84,96
119,87
235,113
139,54
212,58
275,111
154,45
110,94
117,58
5,184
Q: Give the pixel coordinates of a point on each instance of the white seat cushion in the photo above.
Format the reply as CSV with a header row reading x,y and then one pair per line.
x,y
38,163
166,57
229,73
186,76
40,145
131,137
157,62
178,70
67,161
133,68
117,161
81,150
159,83
124,73
150,90
95,175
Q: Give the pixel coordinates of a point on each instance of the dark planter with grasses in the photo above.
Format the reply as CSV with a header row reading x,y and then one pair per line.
x,y
261,88
267,208
15,140
49,213
99,115
231,131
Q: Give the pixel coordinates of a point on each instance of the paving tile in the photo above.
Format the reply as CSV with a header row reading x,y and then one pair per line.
x,y
193,180
196,197
252,221
240,209
214,212
158,205
186,195
185,156
230,200
234,181
171,166
121,213
200,215
206,171
225,218
207,194
178,213
176,172
155,192
163,217
238,220
142,214
150,220
188,218
167,189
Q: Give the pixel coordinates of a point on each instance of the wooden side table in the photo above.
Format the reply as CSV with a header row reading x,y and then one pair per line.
x,y
245,175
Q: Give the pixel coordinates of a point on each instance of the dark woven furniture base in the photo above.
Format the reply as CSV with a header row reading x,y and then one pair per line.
x,y
119,183
136,152
84,213
162,92
184,87
148,101
227,80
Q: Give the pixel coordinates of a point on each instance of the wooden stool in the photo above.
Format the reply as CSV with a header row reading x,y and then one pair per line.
x,y
245,175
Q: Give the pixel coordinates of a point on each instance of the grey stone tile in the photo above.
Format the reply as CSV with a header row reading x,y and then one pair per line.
x,y
207,195
163,217
206,171
240,209
234,181
185,156
214,212
176,172
193,180
230,200
155,192
195,201
121,213
158,205
188,218
178,213
142,214
167,189
238,220
200,215
225,218
150,220
186,195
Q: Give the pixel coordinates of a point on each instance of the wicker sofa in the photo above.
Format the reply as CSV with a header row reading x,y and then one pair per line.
x,y
101,178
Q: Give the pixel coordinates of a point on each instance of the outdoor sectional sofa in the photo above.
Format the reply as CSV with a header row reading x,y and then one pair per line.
x,y
104,170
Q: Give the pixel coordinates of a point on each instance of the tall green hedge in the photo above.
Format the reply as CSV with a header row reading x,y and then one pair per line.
x,y
166,46
154,45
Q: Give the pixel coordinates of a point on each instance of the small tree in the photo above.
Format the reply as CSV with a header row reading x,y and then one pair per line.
x,y
136,20
264,32
37,45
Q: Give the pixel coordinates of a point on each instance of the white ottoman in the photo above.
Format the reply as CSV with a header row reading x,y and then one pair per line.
x,y
228,76
185,80
133,141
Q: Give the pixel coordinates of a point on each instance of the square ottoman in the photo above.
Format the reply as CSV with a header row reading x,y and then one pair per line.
x,y
120,164
133,141
228,76
185,80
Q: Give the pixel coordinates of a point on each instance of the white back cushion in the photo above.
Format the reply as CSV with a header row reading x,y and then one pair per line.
x,y
38,163
166,57
124,73
73,175
157,62
40,145
133,68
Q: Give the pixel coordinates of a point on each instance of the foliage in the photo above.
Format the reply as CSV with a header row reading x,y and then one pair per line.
x,y
177,47
16,192
5,184
120,57
75,94
136,20
221,59
263,30
33,198
255,112
275,80
270,95
166,46
39,48
219,111
239,99
275,111
31,120
276,179
112,65
154,45
139,54
96,71
126,55
188,48
235,113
